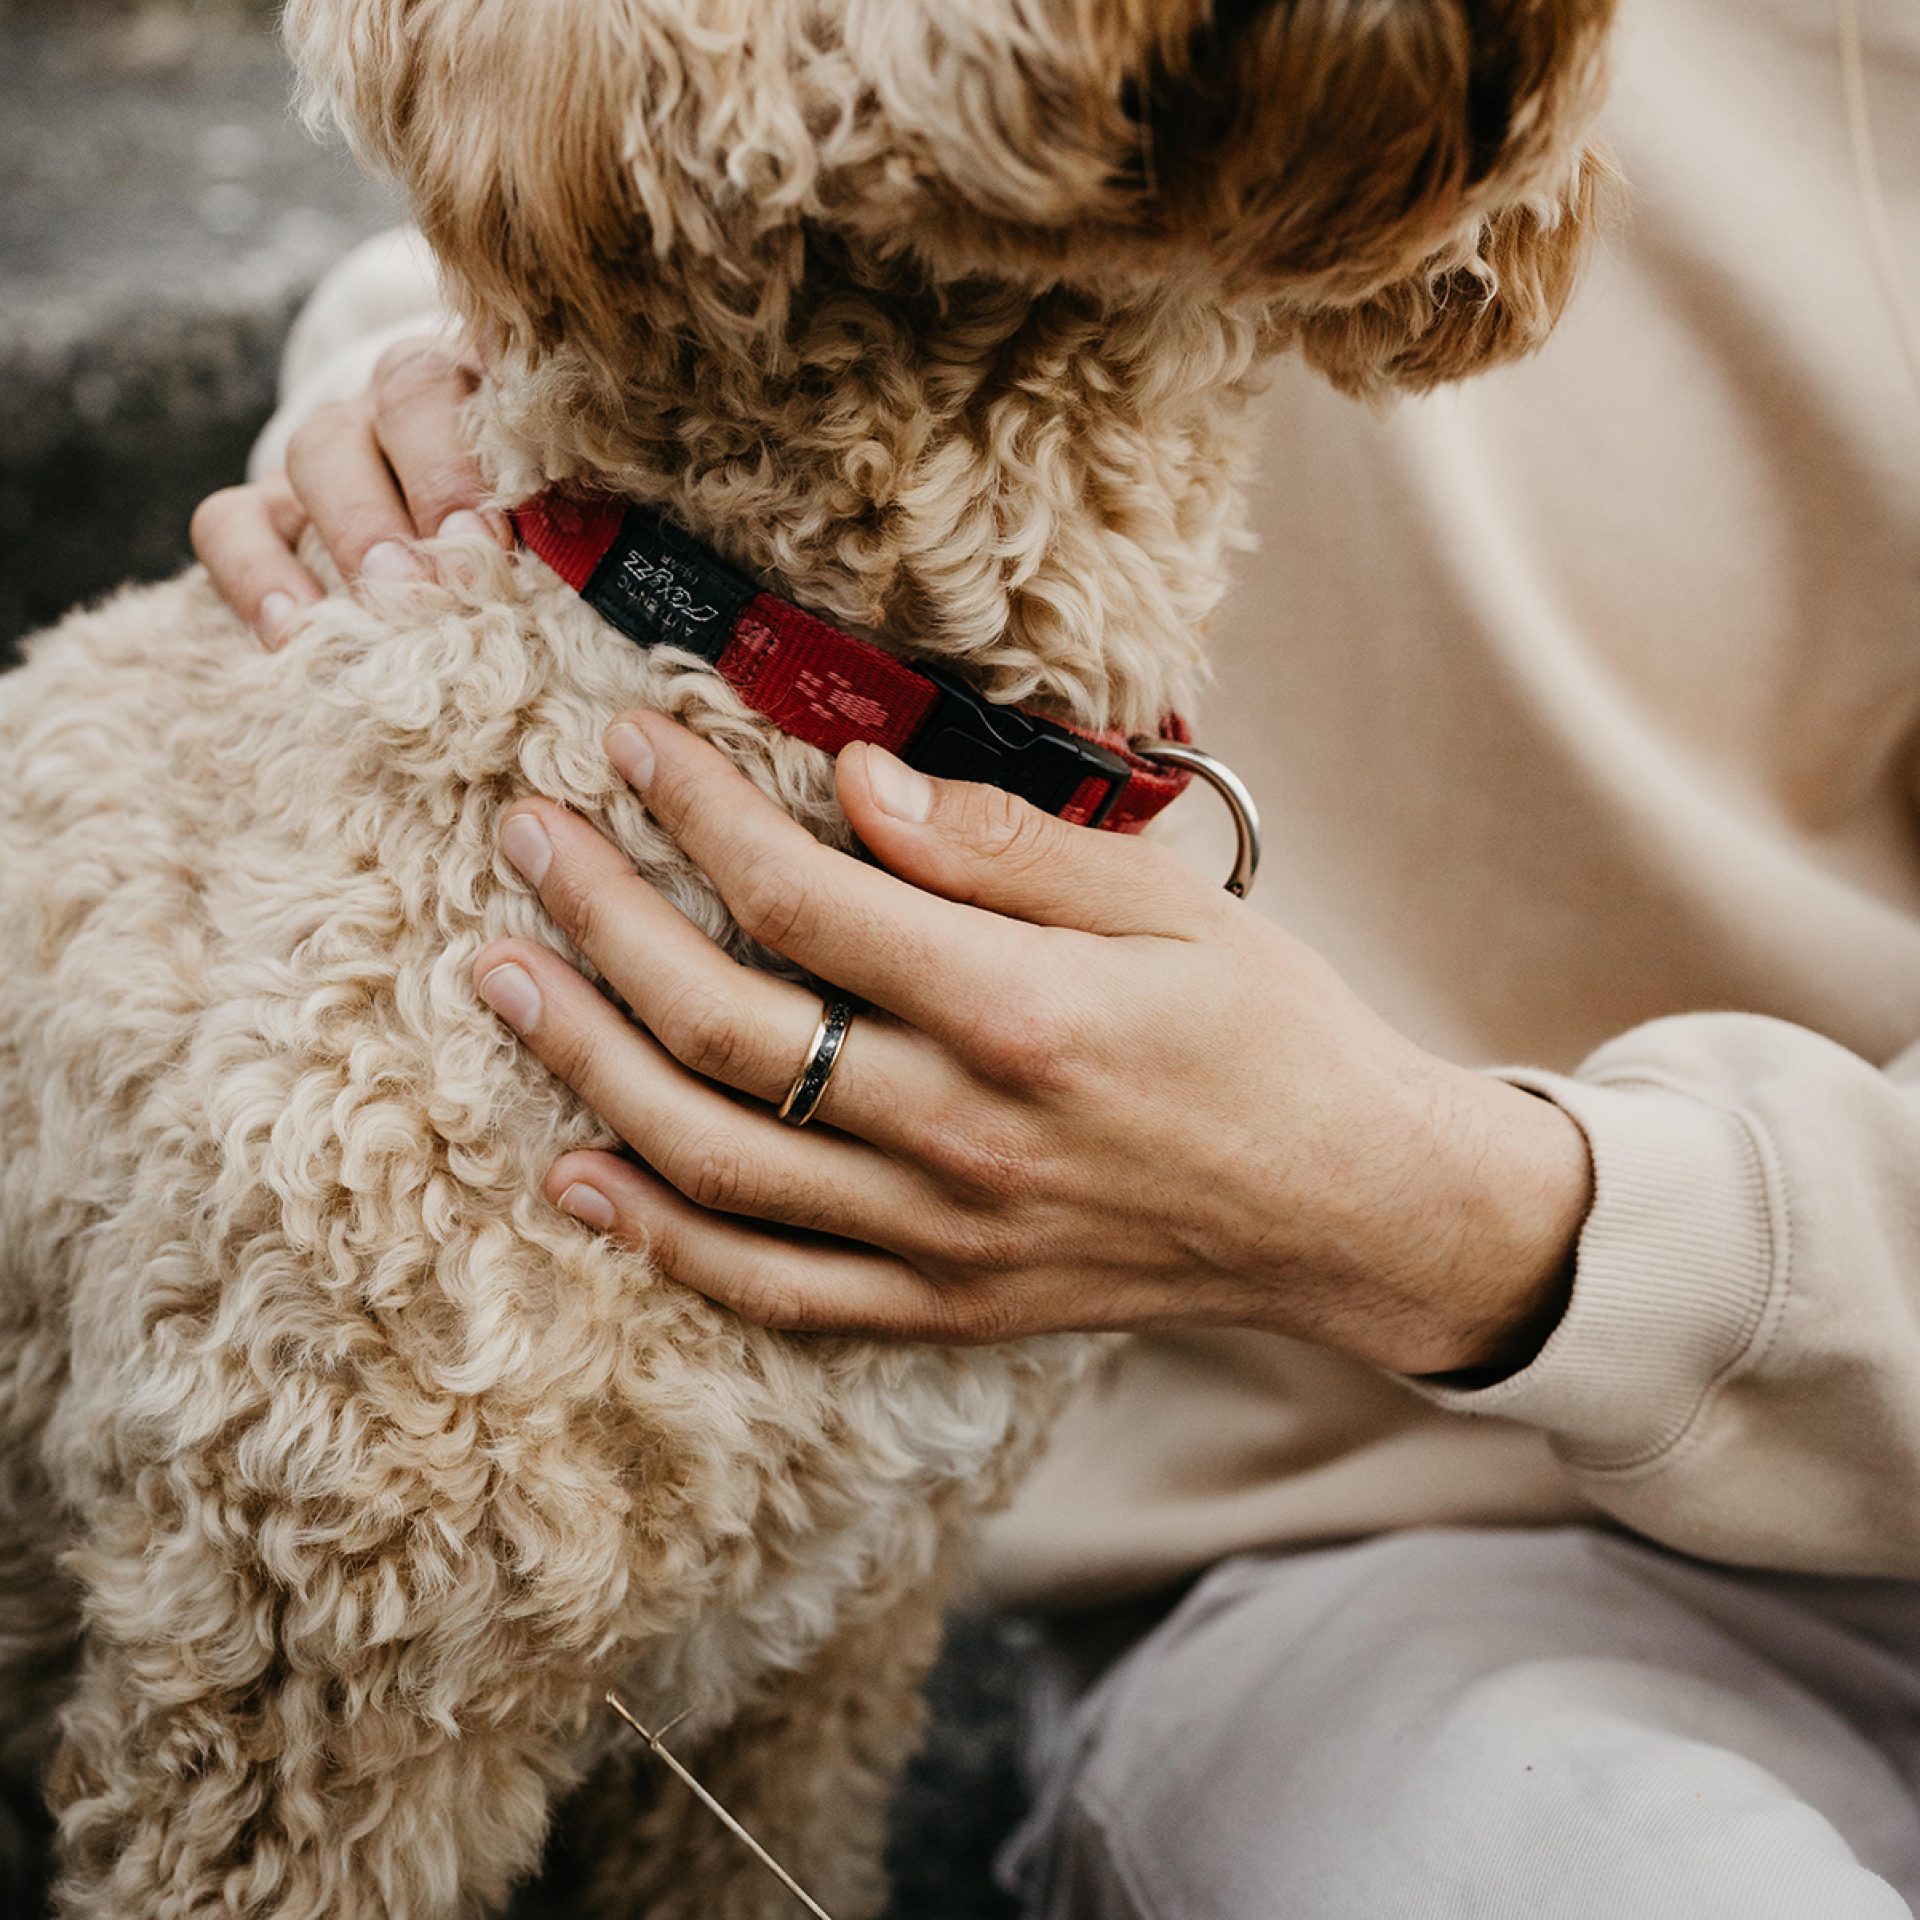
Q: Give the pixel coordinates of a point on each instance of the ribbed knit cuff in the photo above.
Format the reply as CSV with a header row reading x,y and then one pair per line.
x,y
1674,1270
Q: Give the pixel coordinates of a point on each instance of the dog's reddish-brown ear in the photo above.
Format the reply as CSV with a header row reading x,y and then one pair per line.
x,y
1339,142
1410,179
1448,321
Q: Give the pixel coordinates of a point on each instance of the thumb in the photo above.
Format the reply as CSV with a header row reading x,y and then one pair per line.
x,y
989,849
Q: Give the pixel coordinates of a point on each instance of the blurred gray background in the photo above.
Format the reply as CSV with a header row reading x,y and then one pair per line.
x,y
162,216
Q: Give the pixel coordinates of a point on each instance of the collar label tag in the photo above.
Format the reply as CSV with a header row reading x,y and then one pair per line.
x,y
662,588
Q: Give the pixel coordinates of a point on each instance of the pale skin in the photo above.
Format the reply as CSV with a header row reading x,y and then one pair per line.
x,y
1088,1089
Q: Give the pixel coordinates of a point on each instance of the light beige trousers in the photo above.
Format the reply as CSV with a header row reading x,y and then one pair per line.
x,y
1491,1725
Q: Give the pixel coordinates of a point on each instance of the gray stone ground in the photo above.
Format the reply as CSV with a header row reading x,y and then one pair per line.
x,y
162,218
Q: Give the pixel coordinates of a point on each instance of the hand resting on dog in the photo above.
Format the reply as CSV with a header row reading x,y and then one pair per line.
x,y
1092,1091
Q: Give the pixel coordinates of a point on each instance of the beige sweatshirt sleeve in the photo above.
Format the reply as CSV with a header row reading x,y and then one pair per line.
x,y
384,292
1738,1374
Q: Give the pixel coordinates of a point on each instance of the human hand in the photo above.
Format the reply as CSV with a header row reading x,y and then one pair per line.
x,y
371,475
1091,1091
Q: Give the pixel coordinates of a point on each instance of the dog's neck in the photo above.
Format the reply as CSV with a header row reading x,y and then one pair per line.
x,y
1037,490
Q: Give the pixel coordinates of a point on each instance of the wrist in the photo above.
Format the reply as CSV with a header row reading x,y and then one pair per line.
x,y
1524,1187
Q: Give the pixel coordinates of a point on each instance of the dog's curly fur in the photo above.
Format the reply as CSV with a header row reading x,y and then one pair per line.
x,y
340,1473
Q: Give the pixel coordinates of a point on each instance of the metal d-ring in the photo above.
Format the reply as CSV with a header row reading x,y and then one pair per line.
x,y
1233,790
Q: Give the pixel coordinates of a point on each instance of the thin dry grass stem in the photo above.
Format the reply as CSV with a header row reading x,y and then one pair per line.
x,y
713,1806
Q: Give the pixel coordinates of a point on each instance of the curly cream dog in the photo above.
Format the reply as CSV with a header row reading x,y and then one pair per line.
x,y
341,1472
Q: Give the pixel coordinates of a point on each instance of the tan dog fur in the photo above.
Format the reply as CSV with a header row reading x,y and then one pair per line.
x,y
341,1472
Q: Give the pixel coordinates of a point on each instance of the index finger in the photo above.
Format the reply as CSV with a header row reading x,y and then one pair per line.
x,y
246,538
927,960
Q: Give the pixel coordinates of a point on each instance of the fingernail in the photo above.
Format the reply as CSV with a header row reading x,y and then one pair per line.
x,y
510,992
588,1205
278,611
897,788
524,841
392,562
466,525
632,752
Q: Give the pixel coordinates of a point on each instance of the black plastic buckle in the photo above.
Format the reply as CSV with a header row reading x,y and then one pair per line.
x,y
968,738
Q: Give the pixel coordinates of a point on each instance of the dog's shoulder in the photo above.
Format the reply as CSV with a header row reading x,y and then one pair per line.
x,y
287,1167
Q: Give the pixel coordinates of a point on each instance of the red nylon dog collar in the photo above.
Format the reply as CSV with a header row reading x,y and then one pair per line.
x,y
825,686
